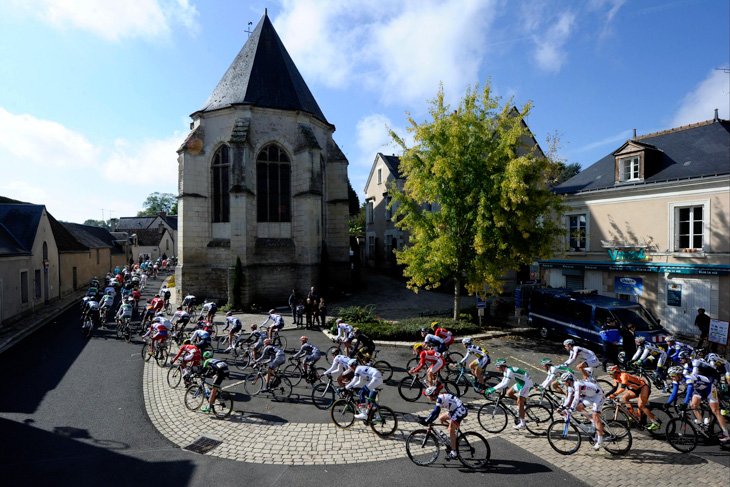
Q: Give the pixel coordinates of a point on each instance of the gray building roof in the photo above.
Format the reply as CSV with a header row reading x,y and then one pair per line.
x,y
393,163
264,75
134,222
85,235
9,245
21,221
688,152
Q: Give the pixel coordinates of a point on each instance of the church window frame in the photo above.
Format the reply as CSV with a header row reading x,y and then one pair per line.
x,y
273,185
221,181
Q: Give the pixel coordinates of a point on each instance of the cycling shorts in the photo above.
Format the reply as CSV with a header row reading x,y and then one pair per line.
x,y
312,358
592,362
277,326
127,314
522,387
482,363
278,360
192,357
161,336
236,328
595,402
457,415
709,393
220,374
437,366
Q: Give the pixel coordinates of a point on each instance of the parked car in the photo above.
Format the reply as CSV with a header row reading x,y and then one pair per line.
x,y
581,314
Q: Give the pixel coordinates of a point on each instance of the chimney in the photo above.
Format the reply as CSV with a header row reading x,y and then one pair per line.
x,y
717,117
634,135
113,224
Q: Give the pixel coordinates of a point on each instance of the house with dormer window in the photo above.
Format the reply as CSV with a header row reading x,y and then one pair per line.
x,y
649,223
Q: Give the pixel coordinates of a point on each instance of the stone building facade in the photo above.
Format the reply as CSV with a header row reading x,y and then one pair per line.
x,y
261,179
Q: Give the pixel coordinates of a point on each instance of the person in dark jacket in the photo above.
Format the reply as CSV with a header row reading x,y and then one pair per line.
x,y
628,335
610,336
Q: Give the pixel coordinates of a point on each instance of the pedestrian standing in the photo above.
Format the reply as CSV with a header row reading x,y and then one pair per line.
x,y
610,336
702,321
322,313
628,335
308,311
293,300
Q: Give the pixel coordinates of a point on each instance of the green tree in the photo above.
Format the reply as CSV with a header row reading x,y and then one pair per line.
x,y
157,202
495,210
563,171
357,222
98,223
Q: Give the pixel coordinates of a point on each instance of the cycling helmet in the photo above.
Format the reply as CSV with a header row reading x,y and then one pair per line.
x,y
700,352
352,362
272,311
431,391
670,339
566,376
335,351
424,330
676,370
254,326
417,346
159,314
179,308
208,355
614,369
131,299
568,342
546,361
500,363
683,355
355,331
339,320
186,341
466,341
267,341
303,338
713,357
229,313
640,339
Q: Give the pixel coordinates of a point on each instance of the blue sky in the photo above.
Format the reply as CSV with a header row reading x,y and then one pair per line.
x,y
95,96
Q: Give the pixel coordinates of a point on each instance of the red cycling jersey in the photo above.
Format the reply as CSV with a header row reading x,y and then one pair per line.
x,y
158,304
445,335
427,356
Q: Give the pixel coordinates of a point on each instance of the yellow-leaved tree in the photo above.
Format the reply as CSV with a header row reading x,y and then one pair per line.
x,y
486,185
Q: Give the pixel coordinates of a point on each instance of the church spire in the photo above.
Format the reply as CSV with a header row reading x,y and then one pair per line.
x,y
264,75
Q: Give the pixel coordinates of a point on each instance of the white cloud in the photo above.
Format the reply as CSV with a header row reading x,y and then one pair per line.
x,y
699,104
115,20
24,191
550,35
399,49
144,163
32,141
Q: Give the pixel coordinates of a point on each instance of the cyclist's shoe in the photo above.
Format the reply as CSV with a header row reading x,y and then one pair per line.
x,y
265,389
205,409
598,446
724,439
361,415
451,455
519,426
724,412
653,426
228,349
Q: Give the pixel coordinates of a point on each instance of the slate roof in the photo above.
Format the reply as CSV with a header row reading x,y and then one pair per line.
x,y
393,163
134,222
264,75
9,245
21,221
172,221
688,152
85,235
65,240
149,237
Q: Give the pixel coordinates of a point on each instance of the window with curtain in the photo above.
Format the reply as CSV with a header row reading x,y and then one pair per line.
x,y
221,182
273,185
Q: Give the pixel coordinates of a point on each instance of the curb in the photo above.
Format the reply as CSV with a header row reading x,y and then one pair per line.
x,y
480,336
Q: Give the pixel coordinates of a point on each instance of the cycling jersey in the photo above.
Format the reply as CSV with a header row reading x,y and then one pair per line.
x,y
339,365
523,381
674,350
643,351
632,382
309,350
717,361
234,323
363,374
697,385
362,343
457,411
579,352
125,311
274,356
190,354
481,354
201,337
586,392
215,367
277,319
445,335
554,372
181,317
107,301
343,330
428,356
436,342
157,304
700,367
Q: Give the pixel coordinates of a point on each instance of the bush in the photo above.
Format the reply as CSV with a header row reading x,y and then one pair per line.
x,y
357,314
410,329
171,282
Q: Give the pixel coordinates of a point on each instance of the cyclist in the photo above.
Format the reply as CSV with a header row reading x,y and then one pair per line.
x,y
142,281
158,304
370,379
107,301
344,332
278,323
159,327
518,392
147,314
697,366
209,310
165,294
235,325
125,311
699,387
716,361
362,345
443,334
582,394
454,414
634,387
188,303
213,367
431,356
180,318
310,353
674,348
110,291
589,358
256,337
340,365
554,372
647,351
274,357
190,358
478,365
92,313
201,339
431,340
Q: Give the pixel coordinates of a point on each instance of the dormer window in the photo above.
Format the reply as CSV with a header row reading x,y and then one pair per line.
x,y
630,168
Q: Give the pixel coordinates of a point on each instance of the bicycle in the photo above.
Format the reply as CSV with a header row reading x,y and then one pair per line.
x,y
650,376
279,387
175,375
276,340
158,350
124,330
463,378
472,449
295,372
411,387
565,435
323,394
195,395
492,416
684,431
385,369
634,417
547,398
451,361
222,342
381,419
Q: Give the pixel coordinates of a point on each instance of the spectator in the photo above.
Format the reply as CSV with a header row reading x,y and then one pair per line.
x,y
315,312
293,300
702,321
300,313
610,335
322,313
313,295
308,310
628,335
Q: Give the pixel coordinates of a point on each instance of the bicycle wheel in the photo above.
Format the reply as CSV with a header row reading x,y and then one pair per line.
x,y
563,437
127,332
242,359
616,414
492,417
422,447
323,395
473,450
383,421
342,413
174,377
120,332
254,383
452,388
385,369
221,344
538,418
280,388
161,355
194,396
329,355
279,341
294,373
605,386
223,404
616,438
682,434
146,355
538,398
410,388
412,363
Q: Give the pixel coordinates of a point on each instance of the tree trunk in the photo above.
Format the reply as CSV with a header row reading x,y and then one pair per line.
x,y
457,298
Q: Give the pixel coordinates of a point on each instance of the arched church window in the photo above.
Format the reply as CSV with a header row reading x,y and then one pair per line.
x,y
273,185
221,171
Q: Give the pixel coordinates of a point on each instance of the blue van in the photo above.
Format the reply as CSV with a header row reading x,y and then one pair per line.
x,y
582,314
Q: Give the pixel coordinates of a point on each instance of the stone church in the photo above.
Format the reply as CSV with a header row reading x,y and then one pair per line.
x,y
260,178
